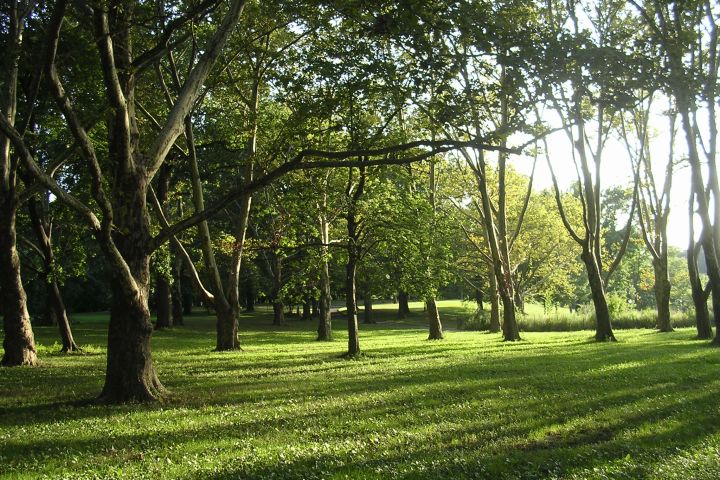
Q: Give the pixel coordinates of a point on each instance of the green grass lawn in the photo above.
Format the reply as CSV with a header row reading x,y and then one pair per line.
x,y
556,405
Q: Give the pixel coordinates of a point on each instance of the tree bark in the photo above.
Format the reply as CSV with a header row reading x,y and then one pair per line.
x,y
603,326
176,293
162,286
278,305
305,310
58,306
130,373
494,306
367,309
19,342
351,304
661,289
325,317
403,304
55,305
436,331
162,302
702,314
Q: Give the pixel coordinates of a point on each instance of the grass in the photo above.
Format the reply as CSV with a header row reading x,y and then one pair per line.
x,y
555,405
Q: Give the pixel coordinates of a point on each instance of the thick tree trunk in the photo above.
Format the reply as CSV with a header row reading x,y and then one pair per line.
x,y
162,302
227,327
662,294
603,326
403,304
19,342
436,331
494,306
130,373
351,305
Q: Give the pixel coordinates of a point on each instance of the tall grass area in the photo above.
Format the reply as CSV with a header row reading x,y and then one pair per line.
x,y
554,406
562,320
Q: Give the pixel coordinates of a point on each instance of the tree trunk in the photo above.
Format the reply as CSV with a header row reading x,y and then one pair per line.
x,y
479,299
603,326
19,342
227,327
130,373
702,314
176,292
56,312
278,313
519,301
162,302
278,306
58,306
162,286
403,304
305,310
436,331
325,318
249,294
314,307
351,304
662,294
494,306
368,309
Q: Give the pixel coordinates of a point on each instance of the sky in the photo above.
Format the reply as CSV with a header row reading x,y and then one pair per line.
x,y
616,170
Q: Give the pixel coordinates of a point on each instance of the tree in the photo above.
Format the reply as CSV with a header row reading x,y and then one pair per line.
x,y
596,66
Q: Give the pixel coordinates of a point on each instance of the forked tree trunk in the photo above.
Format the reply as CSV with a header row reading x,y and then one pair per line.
x,y
403,304
661,289
130,373
436,331
603,326
19,342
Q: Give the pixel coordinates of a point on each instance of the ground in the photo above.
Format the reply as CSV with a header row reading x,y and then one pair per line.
x,y
556,405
